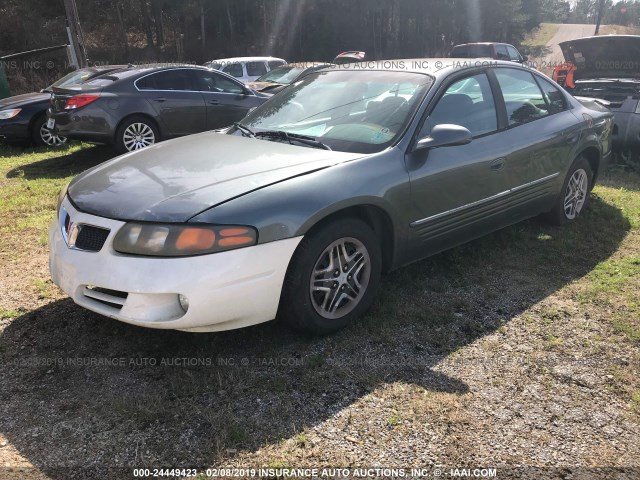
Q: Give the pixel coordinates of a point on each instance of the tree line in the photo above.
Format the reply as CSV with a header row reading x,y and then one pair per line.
x,y
121,31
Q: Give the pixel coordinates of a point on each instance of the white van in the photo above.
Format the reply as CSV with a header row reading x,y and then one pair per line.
x,y
246,69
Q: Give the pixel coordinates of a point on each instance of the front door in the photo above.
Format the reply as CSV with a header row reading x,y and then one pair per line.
x,y
226,100
460,191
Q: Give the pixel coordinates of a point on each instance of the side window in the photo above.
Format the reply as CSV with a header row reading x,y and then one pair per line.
x,y
227,85
501,52
234,69
256,69
146,83
275,64
214,82
522,96
167,80
514,56
554,97
469,103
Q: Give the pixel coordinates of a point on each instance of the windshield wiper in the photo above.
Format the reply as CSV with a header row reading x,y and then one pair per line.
x,y
293,137
246,131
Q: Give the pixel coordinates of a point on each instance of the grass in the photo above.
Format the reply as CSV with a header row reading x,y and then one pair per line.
x,y
31,180
542,35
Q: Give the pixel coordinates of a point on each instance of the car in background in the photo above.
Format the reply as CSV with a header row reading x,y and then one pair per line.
x,y
278,78
606,69
497,51
298,209
246,69
352,56
23,118
137,107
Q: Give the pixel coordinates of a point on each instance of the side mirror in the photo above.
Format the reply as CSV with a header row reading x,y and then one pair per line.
x,y
445,135
525,58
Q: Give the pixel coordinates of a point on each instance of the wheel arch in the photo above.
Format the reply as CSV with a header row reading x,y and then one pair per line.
x,y
34,118
373,215
593,157
145,115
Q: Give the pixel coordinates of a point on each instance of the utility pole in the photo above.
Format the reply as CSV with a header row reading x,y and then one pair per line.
x,y
75,33
600,13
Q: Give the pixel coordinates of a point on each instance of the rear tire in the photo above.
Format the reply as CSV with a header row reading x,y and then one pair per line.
x,y
135,133
332,278
574,196
41,136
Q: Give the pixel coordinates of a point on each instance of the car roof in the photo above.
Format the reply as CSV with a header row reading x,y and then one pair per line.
x,y
246,59
127,72
482,43
306,64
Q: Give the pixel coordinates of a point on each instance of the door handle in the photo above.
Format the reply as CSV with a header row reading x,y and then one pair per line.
x,y
498,164
160,99
214,102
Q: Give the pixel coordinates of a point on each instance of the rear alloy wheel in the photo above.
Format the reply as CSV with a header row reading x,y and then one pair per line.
x,y
135,134
332,278
574,198
43,137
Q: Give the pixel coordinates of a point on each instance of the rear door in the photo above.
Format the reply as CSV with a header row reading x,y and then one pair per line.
x,y
227,101
461,190
179,106
541,135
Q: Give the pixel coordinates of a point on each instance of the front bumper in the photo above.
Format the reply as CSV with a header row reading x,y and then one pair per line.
x,y
225,290
14,130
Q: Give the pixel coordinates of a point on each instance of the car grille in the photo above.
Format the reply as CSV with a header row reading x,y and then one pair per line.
x,y
110,298
91,238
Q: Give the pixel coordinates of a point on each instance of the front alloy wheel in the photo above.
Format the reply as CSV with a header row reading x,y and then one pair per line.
x,y
332,278
340,278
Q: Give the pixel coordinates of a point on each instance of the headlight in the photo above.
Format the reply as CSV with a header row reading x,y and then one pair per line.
x,y
168,240
7,114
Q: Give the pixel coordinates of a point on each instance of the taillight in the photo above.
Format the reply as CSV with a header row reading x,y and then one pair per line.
x,y
79,101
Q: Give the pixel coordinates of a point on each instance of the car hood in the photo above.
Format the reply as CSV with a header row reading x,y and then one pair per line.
x,y
23,100
175,180
610,56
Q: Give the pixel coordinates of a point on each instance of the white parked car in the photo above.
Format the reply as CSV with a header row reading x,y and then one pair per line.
x,y
246,69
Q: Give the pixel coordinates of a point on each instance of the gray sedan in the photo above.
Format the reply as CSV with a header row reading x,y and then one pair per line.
x,y
296,211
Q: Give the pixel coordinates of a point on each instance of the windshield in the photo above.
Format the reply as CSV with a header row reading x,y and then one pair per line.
x,y
78,76
284,75
350,111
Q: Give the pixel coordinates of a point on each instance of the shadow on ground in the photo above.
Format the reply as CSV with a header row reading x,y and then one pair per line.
x,y
237,391
65,165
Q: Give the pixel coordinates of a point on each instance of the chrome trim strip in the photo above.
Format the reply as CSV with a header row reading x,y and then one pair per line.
x,y
483,201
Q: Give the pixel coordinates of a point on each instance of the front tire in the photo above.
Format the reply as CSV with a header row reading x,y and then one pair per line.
x,y
332,278
574,197
135,133
41,136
